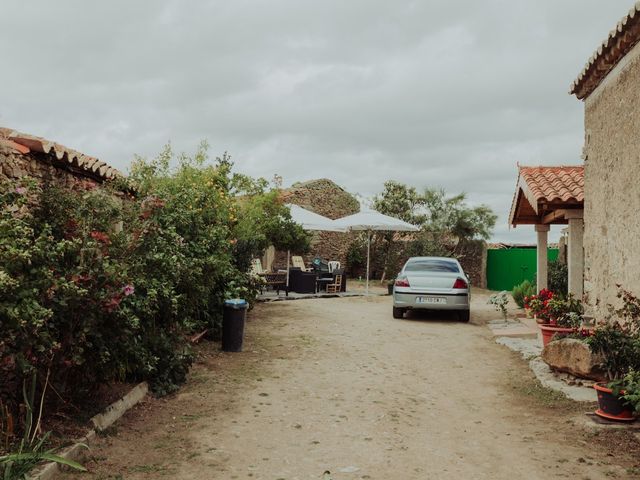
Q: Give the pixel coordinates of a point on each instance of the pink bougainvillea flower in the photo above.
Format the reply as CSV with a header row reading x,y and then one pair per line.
x,y
21,190
128,290
100,236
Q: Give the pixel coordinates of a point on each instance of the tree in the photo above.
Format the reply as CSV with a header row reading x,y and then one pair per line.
x,y
446,223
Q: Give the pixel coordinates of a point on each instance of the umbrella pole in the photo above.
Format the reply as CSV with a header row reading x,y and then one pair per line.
x,y
288,255
368,249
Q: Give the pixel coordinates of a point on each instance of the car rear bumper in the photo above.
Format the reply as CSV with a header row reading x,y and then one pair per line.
x,y
458,301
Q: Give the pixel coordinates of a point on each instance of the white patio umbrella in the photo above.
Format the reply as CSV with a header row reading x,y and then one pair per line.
x,y
310,221
371,221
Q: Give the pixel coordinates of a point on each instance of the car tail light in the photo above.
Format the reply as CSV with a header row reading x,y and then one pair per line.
x,y
460,283
402,282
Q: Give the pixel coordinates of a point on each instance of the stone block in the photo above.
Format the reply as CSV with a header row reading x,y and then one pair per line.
x,y
573,356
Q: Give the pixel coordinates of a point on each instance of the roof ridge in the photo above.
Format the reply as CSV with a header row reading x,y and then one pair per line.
x,y
93,166
624,36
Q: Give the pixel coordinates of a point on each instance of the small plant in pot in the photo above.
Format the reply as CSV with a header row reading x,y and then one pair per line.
x,y
619,345
538,305
565,317
621,353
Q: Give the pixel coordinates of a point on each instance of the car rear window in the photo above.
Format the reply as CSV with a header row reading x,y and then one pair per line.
x,y
432,265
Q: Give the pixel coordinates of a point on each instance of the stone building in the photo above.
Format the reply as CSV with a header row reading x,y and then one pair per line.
x,y
609,85
24,155
325,198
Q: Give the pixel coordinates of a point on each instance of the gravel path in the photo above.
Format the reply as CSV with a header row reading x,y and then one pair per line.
x,y
339,385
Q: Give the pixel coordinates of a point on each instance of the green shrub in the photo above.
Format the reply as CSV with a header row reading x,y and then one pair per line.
x,y
557,278
92,303
519,292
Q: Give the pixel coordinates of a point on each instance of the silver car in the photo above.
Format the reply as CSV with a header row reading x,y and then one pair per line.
x,y
432,283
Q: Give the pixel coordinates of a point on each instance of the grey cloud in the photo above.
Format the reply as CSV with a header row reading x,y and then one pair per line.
x,y
433,93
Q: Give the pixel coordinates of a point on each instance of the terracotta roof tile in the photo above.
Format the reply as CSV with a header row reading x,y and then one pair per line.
x,y
621,39
23,143
554,184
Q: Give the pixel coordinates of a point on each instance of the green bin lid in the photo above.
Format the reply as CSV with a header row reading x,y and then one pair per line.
x,y
237,303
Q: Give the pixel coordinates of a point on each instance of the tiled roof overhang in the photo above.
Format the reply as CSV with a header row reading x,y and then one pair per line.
x,y
24,144
543,193
619,42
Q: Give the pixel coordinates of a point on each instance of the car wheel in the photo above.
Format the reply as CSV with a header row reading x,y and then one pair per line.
x,y
398,312
464,315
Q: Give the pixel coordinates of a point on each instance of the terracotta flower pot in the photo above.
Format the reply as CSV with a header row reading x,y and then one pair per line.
x,y
548,331
611,406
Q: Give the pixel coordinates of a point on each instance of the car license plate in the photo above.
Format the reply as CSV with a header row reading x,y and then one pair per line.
x,y
431,300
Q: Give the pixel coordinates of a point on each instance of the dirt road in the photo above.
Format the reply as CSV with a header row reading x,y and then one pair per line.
x,y
338,385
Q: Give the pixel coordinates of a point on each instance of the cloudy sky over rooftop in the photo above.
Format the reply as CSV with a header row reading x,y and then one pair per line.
x,y
430,93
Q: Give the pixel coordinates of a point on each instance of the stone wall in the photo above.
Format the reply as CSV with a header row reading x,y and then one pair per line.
x,y
473,258
612,176
41,166
471,255
326,198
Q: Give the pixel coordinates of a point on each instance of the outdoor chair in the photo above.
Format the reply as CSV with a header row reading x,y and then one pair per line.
x,y
256,267
276,280
298,262
336,286
334,265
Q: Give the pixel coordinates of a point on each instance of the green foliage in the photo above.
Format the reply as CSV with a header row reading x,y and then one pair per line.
x,y
500,302
619,341
446,223
619,348
357,253
96,285
519,292
558,278
628,387
31,448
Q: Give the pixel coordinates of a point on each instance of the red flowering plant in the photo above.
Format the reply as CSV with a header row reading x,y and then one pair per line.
x,y
539,304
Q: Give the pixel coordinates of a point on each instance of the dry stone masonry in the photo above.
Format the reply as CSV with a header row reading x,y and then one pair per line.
x,y
326,198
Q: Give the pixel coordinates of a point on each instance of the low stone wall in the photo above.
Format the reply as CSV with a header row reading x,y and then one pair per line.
x,y
471,255
473,258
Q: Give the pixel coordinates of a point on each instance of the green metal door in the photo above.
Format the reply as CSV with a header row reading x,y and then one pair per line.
x,y
508,267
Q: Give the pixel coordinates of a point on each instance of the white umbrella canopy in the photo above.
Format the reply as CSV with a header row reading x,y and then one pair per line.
x,y
370,221
374,221
312,221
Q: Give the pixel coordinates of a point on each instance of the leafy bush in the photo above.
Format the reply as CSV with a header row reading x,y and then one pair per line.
x,y
618,341
97,284
519,292
558,277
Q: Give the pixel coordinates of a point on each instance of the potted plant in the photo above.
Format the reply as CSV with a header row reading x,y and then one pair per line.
x,y
620,352
565,316
628,389
538,305
619,345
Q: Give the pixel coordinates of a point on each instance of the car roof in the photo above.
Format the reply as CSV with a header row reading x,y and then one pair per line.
x,y
432,258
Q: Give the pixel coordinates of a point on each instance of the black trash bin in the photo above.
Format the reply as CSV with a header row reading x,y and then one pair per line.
x,y
233,318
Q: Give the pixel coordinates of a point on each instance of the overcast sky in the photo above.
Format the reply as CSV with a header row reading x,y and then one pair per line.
x,y
430,93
